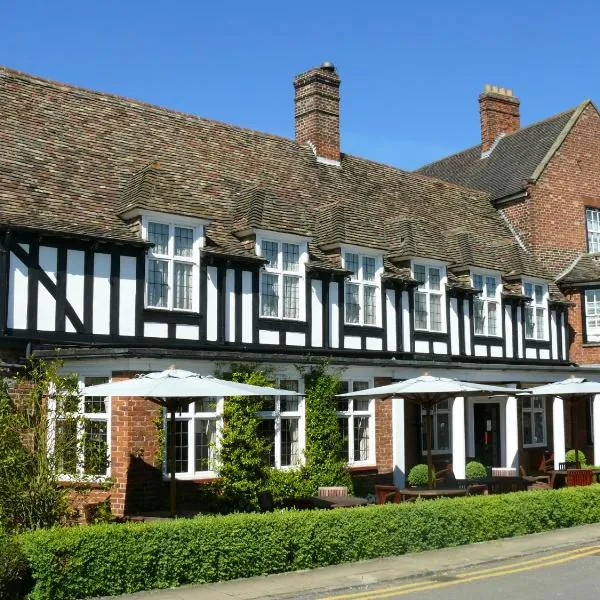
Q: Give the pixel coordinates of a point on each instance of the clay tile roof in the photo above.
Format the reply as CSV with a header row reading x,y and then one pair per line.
x,y
585,269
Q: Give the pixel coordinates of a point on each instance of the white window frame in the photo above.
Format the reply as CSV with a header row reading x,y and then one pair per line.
x,y
190,417
425,289
485,298
591,314
173,221
535,306
592,228
350,413
359,280
280,239
82,417
277,415
436,410
532,410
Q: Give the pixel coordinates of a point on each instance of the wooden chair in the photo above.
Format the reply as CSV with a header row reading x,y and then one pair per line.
x,y
535,481
387,493
546,463
579,477
332,491
564,466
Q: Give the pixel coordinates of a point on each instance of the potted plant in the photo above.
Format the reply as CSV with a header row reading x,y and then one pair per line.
x,y
417,476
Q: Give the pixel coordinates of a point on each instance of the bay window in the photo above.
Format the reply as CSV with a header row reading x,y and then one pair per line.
x,y
362,291
533,411
486,304
592,315
536,311
440,428
429,297
356,423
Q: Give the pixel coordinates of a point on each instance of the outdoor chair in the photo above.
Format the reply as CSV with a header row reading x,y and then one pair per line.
x,y
579,477
563,466
387,493
540,481
547,462
332,491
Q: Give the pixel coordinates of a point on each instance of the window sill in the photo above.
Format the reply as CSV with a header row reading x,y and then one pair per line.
x,y
170,311
94,484
201,476
544,445
362,468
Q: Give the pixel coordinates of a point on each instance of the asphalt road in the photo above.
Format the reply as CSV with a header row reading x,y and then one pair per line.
x,y
572,573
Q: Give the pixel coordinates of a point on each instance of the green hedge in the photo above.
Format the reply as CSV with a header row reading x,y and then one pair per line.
x,y
114,559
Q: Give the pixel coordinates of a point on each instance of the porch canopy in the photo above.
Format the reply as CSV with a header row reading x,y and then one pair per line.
x,y
427,391
173,388
574,389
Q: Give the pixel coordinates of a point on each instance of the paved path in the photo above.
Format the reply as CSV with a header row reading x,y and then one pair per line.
x,y
423,573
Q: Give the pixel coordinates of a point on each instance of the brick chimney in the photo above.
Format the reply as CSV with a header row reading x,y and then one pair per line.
x,y
317,111
499,114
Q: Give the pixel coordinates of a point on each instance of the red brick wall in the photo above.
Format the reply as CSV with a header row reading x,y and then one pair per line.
x,y
383,428
498,113
579,352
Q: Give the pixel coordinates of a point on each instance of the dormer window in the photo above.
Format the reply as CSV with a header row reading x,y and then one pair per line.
x,y
362,291
429,297
487,304
536,311
281,286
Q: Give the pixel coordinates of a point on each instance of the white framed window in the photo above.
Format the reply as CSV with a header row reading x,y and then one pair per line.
x,y
282,293
172,264
362,292
80,434
282,423
536,311
356,422
486,305
592,222
440,428
592,315
197,428
533,414
429,297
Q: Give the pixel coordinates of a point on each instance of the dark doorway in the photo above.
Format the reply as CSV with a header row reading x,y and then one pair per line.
x,y
487,433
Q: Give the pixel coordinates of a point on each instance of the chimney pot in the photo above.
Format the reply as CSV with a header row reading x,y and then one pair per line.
x,y
499,114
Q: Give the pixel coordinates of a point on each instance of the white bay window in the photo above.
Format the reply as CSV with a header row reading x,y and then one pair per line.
x,y
486,304
592,315
429,297
356,423
362,290
536,311
533,411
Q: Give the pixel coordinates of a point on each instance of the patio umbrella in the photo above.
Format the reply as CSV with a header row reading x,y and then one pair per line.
x,y
169,389
427,391
569,389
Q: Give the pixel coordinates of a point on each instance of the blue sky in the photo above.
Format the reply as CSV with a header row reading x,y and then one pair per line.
x,y
411,71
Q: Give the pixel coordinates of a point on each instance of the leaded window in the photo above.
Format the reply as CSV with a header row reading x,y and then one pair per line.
x,y
533,413
356,423
428,298
592,220
361,292
486,305
592,315
440,428
536,311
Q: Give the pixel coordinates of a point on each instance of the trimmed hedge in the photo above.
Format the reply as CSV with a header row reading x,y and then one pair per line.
x,y
113,559
14,570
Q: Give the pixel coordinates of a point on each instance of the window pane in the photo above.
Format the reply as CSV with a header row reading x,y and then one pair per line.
x,y
158,283
181,446
183,286
343,427
94,404
291,257
184,241
65,446
290,454
267,431
529,290
351,302
361,438
490,284
538,428
420,310
529,322
593,229
351,262
478,307
419,275
342,403
361,404
442,430
435,305
492,318
539,294
206,430
434,279
95,448
205,405
270,252
540,319
158,234
478,282
269,295
368,273
358,386
288,403
527,433
370,305
537,402
291,297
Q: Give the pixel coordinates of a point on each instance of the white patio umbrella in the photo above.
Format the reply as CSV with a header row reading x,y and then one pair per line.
x,y
571,390
427,391
170,389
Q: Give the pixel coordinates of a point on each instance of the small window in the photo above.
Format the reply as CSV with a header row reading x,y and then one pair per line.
x,y
356,423
536,311
428,298
592,220
486,305
440,428
592,315
534,421
361,292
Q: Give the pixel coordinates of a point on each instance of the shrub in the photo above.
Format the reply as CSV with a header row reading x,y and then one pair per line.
x,y
288,483
475,470
101,560
570,457
14,569
418,475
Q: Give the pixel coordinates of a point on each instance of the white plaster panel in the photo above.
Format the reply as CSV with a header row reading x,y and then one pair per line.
x,y
530,353
454,321
374,343
246,307
158,330
230,305
467,323
554,335
563,330
268,337
17,293
316,325
508,333
101,301
544,354
480,350
187,332
127,293
211,304
496,351
352,342
422,346
440,348
46,301
390,307
75,281
519,334
334,316
406,328
295,338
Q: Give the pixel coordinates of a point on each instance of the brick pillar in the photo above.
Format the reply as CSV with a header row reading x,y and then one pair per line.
x,y
499,114
383,429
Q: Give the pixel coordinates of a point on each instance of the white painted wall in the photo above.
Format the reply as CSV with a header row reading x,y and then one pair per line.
x,y
230,305
558,430
211,304
563,329
268,337
520,353
334,316
101,302
247,307
374,343
596,428
17,293
544,354
398,443
75,279
530,353
187,332
480,350
457,408
127,289
316,325
158,330
554,335
467,322
454,320
46,302
422,346
508,332
440,348
352,341
406,328
511,428
295,338
390,308
496,351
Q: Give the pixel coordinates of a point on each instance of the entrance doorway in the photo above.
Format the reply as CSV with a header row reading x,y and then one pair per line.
x,y
487,433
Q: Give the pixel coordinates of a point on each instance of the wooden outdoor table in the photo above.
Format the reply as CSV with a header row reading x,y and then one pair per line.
x,y
559,476
433,493
332,502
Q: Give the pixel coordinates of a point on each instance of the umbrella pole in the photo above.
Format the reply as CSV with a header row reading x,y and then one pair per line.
x,y
429,453
173,482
